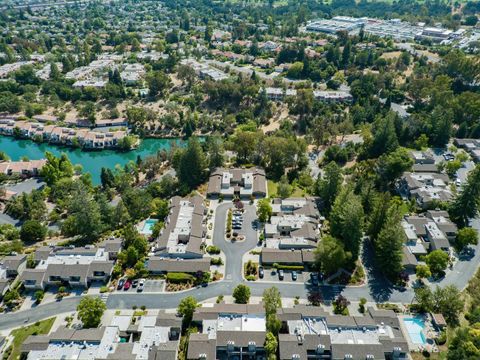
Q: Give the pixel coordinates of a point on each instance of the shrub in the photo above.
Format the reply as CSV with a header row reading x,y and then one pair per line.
x,y
251,278
216,261
179,278
103,289
212,249
442,338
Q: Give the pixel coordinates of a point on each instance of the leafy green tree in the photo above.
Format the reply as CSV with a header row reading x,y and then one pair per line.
x,y
56,168
466,236
330,255
271,346
90,311
466,204
32,231
241,294
346,220
186,308
391,166
384,136
328,186
88,111
284,189
388,244
441,121
191,164
437,261
272,300
215,152
9,102
264,210
423,271
158,83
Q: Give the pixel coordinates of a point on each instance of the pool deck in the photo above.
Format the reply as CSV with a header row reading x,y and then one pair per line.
x,y
141,225
427,332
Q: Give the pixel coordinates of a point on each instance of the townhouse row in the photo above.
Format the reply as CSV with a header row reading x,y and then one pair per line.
x,y
84,138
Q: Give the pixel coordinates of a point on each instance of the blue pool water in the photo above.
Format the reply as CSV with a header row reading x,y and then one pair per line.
x,y
415,328
148,226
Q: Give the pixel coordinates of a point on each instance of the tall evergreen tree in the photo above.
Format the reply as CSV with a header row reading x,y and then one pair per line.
x,y
466,204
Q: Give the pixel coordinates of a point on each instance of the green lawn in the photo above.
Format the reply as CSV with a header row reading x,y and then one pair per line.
x,y
272,190
20,335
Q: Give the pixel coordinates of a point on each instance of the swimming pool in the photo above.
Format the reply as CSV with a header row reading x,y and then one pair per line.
x,y
415,328
148,226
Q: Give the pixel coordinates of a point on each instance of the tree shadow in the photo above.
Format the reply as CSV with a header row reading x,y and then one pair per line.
x,y
380,287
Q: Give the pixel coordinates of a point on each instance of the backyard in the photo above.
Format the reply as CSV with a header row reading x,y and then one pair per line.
x,y
20,335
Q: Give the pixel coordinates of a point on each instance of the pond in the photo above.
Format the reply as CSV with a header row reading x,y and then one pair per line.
x,y
91,161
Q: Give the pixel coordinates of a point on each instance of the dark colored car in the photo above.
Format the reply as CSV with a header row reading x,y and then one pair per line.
x,y
281,275
135,283
261,273
120,284
294,276
314,279
127,285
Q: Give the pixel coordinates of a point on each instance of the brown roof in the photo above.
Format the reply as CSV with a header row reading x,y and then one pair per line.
x,y
158,264
200,344
271,256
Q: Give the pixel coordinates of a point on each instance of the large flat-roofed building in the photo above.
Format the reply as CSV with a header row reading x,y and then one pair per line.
x,y
75,266
178,248
315,334
228,331
151,337
238,331
244,183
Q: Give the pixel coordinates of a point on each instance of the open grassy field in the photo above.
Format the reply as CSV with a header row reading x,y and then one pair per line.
x,y
272,190
20,335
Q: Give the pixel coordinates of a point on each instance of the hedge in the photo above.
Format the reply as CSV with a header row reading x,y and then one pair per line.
x,y
290,267
212,249
179,278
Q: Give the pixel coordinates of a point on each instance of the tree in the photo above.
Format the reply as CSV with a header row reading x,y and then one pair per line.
x,y
186,308
9,102
215,152
158,83
32,231
384,136
346,220
441,121
437,261
391,166
284,189
272,300
191,164
241,294
88,111
271,345
423,272
466,204
424,299
56,168
449,302
328,186
389,243
264,210
90,311
466,236
330,255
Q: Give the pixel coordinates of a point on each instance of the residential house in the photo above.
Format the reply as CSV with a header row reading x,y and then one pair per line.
x,y
75,266
152,337
244,183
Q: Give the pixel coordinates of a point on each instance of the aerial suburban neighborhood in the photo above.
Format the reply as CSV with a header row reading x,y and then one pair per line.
x,y
213,180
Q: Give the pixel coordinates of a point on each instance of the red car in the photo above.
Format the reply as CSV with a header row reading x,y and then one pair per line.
x,y
127,285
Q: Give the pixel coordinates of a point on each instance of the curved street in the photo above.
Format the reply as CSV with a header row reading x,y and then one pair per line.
x,y
376,289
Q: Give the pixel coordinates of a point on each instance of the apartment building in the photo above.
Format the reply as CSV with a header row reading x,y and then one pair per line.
x,y
75,266
244,183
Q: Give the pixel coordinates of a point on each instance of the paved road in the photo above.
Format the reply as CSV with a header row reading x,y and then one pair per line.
x,y
377,289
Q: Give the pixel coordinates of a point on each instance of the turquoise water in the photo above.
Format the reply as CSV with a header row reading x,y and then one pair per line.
x,y
91,161
415,328
148,226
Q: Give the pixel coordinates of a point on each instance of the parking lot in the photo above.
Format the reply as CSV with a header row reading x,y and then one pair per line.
x,y
270,276
150,286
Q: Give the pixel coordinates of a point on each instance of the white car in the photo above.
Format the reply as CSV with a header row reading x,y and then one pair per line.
x,y
141,285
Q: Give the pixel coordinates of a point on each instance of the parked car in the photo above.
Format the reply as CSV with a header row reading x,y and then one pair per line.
x,y
127,285
261,273
120,284
294,276
314,279
141,285
134,283
281,275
